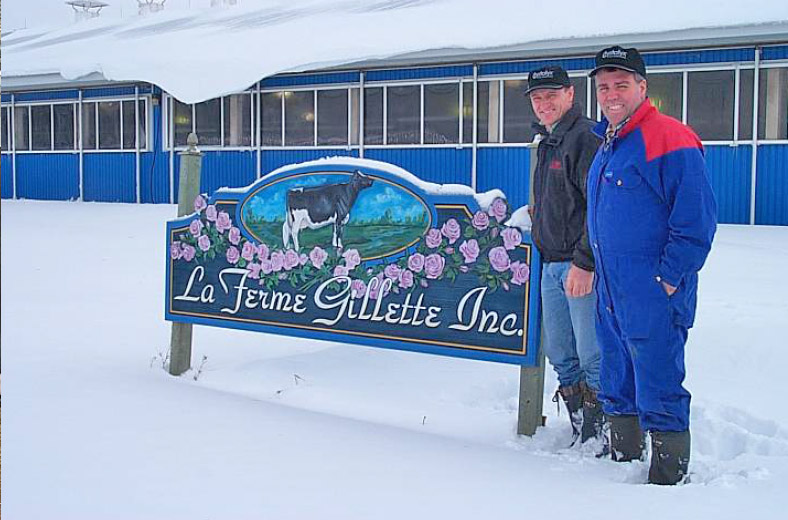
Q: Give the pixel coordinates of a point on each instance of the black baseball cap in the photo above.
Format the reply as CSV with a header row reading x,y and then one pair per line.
x,y
619,58
552,77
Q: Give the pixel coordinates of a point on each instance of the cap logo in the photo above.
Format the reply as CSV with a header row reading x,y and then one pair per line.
x,y
542,74
615,53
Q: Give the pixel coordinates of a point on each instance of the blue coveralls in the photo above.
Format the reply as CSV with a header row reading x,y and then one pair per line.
x,y
651,218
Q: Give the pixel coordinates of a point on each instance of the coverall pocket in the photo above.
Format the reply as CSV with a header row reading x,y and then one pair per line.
x,y
645,302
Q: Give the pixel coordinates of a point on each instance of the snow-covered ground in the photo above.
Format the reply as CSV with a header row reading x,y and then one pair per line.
x,y
277,428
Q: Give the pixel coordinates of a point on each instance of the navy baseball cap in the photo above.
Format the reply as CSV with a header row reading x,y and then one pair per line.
x,y
619,58
552,77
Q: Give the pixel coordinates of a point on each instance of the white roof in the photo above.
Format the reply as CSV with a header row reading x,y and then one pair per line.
x,y
201,54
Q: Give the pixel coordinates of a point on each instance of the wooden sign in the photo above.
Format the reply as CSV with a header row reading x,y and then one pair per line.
x,y
359,251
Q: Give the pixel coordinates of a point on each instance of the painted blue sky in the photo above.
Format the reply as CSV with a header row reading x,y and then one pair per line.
x,y
371,203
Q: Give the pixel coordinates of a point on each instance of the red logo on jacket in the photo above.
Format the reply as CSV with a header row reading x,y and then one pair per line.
x,y
555,164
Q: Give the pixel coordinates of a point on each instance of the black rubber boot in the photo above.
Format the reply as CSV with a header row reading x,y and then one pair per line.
x,y
627,440
593,418
670,454
573,399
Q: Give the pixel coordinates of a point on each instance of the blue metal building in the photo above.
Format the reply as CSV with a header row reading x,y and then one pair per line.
x,y
448,116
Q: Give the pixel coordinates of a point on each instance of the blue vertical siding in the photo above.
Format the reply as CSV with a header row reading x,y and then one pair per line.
x,y
771,185
439,165
273,159
507,169
7,179
109,177
47,176
730,170
232,169
154,178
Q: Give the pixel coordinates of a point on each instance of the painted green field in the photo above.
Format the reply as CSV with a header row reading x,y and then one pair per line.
x,y
372,241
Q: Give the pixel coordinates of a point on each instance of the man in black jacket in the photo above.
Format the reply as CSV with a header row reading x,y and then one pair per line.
x,y
559,230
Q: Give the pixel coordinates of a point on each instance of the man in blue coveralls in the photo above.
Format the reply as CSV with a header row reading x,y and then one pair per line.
x,y
651,220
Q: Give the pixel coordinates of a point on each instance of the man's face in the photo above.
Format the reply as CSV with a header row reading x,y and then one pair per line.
x,y
619,94
551,104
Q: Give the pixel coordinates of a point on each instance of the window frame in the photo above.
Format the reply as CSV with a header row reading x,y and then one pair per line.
x,y
144,139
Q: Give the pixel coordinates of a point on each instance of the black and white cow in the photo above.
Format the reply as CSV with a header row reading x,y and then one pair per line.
x,y
319,206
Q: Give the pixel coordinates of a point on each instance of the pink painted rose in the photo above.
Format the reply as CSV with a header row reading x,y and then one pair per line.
x,y
199,204
406,279
188,252
434,238
498,209
266,266
433,266
223,222
480,220
451,230
204,243
247,251
318,257
210,213
291,259
233,255
175,250
262,252
470,250
352,258
499,259
341,270
277,261
254,271
196,227
511,238
416,262
520,272
449,250
494,232
234,236
392,271
357,288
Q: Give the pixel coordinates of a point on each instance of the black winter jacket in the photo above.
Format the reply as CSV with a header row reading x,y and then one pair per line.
x,y
559,217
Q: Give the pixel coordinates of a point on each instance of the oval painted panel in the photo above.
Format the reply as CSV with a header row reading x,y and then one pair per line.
x,y
383,220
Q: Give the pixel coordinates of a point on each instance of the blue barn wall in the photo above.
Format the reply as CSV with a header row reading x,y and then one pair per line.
x,y
273,159
155,164
109,177
507,169
730,170
771,185
439,165
7,179
47,176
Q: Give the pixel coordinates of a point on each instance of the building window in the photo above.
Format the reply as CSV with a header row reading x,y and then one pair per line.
x,y
518,114
238,120
355,114
773,104
109,125
63,118
4,129
403,115
710,100
666,93
271,131
130,130
442,113
89,126
208,122
22,128
300,118
579,82
182,121
332,117
373,115
488,99
746,81
467,112
41,122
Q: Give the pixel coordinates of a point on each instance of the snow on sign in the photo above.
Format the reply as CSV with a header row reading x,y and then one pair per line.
x,y
362,252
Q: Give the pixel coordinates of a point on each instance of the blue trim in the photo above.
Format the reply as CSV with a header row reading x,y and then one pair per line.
x,y
419,73
46,96
775,53
693,57
517,67
311,79
107,92
5,98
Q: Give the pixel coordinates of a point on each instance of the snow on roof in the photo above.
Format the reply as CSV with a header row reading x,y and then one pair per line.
x,y
198,54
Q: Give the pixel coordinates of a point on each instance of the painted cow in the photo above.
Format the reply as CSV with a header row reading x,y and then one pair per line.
x,y
319,206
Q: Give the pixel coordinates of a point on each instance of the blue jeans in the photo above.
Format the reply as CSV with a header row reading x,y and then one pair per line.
x,y
570,342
